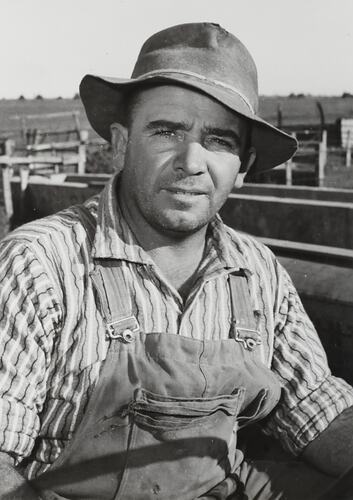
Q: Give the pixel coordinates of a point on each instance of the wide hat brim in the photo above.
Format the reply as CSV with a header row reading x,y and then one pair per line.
x,y
104,100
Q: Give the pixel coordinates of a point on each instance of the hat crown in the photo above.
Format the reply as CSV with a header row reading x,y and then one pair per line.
x,y
207,59
203,49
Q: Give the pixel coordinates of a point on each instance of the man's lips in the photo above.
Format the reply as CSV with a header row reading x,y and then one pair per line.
x,y
185,190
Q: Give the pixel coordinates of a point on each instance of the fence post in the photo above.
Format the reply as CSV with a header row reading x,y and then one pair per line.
x,y
289,165
76,117
81,166
322,160
84,134
6,171
24,130
279,116
24,180
9,147
348,150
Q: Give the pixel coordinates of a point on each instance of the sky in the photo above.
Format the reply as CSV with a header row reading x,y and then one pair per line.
x,y
300,46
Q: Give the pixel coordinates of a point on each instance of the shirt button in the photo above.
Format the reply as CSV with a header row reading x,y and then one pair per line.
x,y
128,335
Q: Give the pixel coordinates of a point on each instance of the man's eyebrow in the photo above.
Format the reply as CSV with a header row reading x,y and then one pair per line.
x,y
173,125
223,132
182,125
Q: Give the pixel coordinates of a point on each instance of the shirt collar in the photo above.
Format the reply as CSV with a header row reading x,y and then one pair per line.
x,y
114,239
224,250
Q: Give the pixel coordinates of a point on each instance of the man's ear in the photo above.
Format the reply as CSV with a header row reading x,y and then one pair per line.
x,y
119,138
247,162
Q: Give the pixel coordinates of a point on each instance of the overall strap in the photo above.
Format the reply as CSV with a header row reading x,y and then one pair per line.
x,y
245,318
111,288
109,281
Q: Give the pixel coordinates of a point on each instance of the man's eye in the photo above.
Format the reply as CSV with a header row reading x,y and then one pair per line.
x,y
219,144
222,142
164,132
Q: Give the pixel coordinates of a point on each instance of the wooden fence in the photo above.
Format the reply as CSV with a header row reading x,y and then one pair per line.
x,y
312,151
42,158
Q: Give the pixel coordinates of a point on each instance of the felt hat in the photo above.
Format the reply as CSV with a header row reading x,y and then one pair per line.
x,y
206,58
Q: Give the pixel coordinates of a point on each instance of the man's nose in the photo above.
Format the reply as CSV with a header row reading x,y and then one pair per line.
x,y
191,158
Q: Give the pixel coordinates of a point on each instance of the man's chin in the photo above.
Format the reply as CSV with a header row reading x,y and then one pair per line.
x,y
182,225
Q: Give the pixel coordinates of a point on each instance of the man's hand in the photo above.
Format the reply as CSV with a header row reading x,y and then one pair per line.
x,y
222,490
13,486
332,451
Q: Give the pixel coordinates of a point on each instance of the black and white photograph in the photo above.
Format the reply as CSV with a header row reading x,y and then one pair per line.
x,y
176,250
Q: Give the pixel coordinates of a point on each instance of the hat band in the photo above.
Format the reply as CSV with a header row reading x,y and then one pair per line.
x,y
167,71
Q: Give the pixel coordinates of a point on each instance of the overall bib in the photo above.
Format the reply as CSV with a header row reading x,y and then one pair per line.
x,y
162,420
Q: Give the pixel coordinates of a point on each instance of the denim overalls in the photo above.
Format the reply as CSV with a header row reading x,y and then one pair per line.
x,y
162,420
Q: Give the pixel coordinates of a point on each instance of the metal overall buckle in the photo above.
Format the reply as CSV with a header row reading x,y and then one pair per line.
x,y
248,337
123,329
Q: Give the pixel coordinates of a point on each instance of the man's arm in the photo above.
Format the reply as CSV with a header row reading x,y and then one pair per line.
x,y
314,418
26,331
332,450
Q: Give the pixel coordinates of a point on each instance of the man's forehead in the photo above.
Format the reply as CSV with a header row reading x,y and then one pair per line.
x,y
181,104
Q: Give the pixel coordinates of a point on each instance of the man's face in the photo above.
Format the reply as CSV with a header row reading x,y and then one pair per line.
x,y
182,159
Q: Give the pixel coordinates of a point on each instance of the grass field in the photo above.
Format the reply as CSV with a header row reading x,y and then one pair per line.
x,y
295,110
13,111
303,110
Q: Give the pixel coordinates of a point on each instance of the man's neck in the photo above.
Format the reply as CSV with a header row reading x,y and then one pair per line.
x,y
180,263
177,256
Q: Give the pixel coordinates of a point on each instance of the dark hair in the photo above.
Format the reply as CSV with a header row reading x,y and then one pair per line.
x,y
132,98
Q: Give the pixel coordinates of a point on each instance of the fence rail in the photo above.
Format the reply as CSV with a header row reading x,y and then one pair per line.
x,y
335,256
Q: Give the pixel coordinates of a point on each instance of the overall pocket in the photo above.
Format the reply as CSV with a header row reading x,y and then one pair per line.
x,y
162,412
255,410
179,447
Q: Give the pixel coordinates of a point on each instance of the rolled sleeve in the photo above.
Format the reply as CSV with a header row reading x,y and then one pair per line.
x,y
311,396
19,427
28,314
298,426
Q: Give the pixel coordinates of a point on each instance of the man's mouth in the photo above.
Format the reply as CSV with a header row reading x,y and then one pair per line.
x,y
185,191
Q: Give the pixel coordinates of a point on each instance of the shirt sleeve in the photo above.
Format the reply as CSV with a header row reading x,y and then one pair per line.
x,y
311,396
29,314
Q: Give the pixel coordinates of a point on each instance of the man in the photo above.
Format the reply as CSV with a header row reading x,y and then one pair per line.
x,y
138,333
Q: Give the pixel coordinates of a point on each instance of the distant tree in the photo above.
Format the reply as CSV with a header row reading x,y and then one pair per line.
x,y
76,96
292,95
59,98
39,97
346,94
22,98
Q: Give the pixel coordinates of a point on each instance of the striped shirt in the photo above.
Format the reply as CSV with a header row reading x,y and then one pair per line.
x,y
52,337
